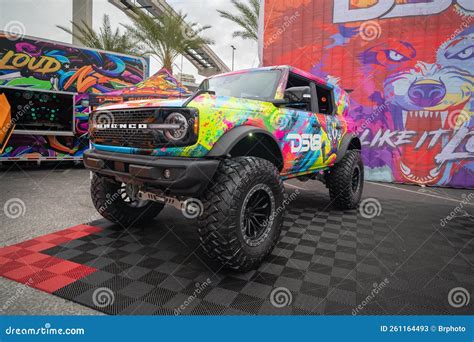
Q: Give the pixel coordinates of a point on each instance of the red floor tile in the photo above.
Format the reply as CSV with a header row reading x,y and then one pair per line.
x,y
24,263
41,246
63,267
54,283
10,265
22,272
8,250
48,262
18,254
80,272
32,258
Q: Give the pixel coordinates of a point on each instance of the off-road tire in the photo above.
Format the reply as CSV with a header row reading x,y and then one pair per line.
x,y
110,204
221,224
339,181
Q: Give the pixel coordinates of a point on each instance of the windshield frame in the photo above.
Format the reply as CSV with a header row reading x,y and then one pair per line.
x,y
277,84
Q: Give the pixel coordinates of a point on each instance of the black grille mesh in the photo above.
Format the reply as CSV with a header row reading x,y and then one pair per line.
x,y
137,138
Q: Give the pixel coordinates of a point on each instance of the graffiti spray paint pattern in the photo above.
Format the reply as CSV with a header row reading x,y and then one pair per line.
x,y
412,82
40,64
220,114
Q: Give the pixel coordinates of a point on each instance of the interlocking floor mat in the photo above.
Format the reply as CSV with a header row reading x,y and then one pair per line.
x,y
400,261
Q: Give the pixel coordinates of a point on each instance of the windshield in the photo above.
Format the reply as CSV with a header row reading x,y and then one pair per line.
x,y
256,85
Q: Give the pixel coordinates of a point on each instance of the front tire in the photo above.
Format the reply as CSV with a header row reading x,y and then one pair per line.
x,y
112,202
243,213
346,181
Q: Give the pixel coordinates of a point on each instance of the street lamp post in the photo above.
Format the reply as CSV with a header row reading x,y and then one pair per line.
x,y
233,51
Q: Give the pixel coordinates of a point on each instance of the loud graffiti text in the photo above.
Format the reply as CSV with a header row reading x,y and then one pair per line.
x,y
428,139
18,60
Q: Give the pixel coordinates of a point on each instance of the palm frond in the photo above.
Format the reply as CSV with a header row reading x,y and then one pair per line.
x,y
105,38
246,16
166,36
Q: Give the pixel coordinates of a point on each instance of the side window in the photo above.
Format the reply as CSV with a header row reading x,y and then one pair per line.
x,y
298,93
325,101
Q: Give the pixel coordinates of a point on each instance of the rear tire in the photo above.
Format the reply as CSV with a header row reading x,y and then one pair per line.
x,y
243,213
111,202
346,181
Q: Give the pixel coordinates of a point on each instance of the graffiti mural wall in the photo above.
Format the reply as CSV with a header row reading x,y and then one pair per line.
x,y
34,63
410,67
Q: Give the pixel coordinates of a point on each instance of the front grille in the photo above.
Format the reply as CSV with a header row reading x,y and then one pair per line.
x,y
137,137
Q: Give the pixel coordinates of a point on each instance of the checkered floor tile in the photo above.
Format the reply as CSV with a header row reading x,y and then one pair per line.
x,y
401,261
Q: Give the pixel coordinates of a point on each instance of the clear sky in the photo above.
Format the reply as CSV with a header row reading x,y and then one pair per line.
x,y
40,17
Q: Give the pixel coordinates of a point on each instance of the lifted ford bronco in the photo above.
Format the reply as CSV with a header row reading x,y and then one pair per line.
x,y
222,156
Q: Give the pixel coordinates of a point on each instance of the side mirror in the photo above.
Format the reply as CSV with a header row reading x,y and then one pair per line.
x,y
298,95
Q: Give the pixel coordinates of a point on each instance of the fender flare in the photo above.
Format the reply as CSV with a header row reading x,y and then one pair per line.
x,y
224,145
344,146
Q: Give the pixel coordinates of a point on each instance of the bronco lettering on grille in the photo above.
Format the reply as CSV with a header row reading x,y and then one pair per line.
x,y
120,126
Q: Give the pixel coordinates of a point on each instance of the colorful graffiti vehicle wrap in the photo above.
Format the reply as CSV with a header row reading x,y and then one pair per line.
x,y
410,66
221,155
290,127
38,64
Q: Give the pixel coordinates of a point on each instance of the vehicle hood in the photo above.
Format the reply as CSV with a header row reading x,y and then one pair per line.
x,y
201,101
145,104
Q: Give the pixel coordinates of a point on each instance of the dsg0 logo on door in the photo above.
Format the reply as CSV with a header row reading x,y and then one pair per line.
x,y
304,142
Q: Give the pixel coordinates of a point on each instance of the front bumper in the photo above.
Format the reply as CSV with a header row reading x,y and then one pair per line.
x,y
188,176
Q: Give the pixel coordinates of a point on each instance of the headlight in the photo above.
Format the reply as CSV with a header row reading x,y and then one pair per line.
x,y
178,127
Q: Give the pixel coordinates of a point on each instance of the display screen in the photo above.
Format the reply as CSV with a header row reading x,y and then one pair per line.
x,y
40,110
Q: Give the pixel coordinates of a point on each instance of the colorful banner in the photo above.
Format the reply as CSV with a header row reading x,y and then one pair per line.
x,y
35,63
409,65
161,85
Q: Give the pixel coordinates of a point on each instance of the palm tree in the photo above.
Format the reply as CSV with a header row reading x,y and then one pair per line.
x,y
246,17
105,39
167,35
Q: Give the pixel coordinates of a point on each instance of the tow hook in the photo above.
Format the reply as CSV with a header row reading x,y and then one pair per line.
x,y
161,198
